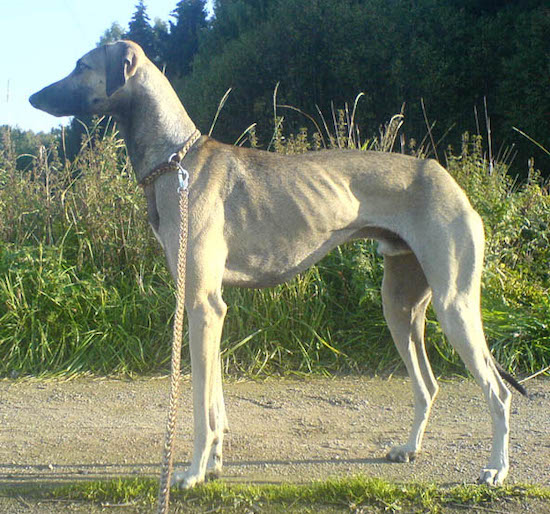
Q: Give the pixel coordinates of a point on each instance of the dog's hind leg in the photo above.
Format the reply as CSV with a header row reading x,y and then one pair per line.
x,y
461,321
454,273
406,296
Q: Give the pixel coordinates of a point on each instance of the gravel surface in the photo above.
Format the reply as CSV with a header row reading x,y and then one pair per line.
x,y
281,430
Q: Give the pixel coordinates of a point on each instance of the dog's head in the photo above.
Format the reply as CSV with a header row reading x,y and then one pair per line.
x,y
96,85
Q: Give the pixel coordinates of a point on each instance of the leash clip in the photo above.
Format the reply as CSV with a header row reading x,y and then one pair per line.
x,y
183,174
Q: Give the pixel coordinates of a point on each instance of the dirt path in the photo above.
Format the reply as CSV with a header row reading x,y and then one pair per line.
x,y
280,430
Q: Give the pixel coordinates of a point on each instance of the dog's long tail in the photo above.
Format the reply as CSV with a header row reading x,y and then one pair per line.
x,y
511,380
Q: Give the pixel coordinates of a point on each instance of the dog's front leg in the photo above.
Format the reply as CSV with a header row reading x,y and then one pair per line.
x,y
206,313
218,423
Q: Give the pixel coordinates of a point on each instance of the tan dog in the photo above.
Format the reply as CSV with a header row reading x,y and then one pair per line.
x,y
257,219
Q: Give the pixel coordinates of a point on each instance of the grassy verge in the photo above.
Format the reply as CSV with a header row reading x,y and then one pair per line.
x,y
355,494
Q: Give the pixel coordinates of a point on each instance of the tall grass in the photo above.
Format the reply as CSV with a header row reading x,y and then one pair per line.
x,y
84,288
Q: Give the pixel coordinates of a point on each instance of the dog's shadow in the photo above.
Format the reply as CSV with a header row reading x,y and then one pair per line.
x,y
22,475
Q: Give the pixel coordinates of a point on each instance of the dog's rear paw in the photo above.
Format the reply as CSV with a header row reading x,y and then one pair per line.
x,y
401,454
492,476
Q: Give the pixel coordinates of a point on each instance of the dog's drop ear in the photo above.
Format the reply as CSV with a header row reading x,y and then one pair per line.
x,y
121,62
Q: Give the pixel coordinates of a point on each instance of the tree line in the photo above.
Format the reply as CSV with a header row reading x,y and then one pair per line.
x,y
481,66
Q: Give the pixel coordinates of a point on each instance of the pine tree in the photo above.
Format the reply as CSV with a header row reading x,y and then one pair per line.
x,y
140,31
183,39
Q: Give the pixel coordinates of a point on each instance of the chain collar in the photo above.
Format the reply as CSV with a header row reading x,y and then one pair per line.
x,y
173,162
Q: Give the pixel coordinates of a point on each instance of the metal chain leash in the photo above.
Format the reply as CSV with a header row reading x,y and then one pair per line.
x,y
167,463
172,164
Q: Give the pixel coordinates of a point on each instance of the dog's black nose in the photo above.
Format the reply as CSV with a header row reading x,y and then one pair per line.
x,y
34,100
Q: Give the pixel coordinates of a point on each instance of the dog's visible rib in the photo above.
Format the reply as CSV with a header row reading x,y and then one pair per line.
x,y
258,218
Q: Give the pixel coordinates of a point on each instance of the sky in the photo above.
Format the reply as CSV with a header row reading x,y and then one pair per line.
x,y
41,40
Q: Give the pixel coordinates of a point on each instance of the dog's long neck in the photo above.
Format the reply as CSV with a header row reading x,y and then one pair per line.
x,y
154,123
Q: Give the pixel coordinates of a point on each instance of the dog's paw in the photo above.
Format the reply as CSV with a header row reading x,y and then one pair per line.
x,y
492,477
401,454
186,479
